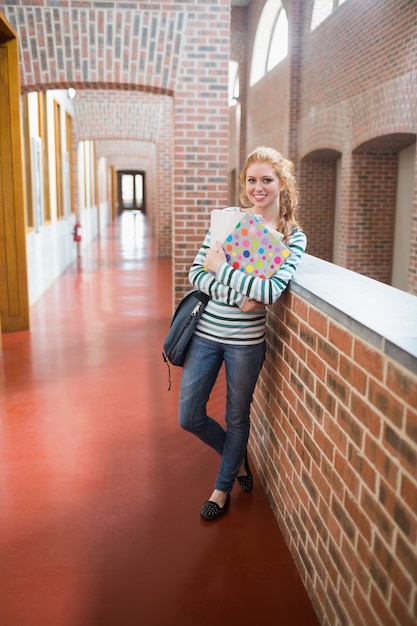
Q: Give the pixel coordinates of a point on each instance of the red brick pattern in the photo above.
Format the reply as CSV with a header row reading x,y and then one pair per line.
x,y
201,132
373,194
318,184
93,42
334,432
347,91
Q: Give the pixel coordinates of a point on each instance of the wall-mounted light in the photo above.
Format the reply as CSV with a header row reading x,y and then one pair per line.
x,y
71,93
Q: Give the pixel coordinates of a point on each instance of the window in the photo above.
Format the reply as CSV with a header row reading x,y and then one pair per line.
x,y
234,92
30,220
43,134
89,174
271,40
322,9
70,153
132,190
58,161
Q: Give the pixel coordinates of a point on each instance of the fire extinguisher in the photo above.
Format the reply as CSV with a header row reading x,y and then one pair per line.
x,y
77,232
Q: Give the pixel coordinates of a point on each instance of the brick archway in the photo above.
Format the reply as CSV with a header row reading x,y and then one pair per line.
x,y
183,52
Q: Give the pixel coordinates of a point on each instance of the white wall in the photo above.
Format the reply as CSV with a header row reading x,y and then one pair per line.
x,y
403,217
50,246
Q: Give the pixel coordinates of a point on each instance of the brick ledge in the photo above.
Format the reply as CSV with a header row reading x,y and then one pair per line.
x,y
384,316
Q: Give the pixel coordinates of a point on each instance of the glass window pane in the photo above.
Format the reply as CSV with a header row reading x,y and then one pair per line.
x,y
139,190
321,10
233,82
262,59
127,188
279,42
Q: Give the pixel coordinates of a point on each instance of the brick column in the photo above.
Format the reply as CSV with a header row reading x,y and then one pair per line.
x,y
201,132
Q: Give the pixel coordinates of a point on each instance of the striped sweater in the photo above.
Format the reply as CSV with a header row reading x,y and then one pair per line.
x,y
223,320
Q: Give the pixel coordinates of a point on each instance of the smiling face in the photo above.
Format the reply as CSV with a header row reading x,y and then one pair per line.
x,y
262,188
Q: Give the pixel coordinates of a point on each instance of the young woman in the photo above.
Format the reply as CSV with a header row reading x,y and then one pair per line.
x,y
232,328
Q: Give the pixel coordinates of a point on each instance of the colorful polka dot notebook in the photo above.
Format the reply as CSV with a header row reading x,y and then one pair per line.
x,y
254,248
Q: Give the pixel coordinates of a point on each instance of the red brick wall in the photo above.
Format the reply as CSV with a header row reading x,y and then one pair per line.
x,y
351,81
335,420
318,182
334,434
358,48
373,195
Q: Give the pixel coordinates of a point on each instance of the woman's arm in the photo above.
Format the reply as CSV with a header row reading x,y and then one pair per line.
x,y
203,279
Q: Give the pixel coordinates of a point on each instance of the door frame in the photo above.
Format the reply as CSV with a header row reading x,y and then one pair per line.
x,y
120,174
14,297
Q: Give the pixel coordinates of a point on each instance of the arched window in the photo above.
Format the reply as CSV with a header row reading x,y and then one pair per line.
x,y
322,9
271,40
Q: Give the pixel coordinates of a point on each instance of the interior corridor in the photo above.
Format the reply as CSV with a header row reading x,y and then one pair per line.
x,y
100,490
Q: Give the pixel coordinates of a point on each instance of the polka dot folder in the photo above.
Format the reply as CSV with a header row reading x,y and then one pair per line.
x,y
252,247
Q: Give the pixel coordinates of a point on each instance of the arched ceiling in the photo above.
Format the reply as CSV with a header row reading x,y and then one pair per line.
x,y
123,59
122,123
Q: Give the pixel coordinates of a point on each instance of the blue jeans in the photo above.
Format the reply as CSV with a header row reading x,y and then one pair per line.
x,y
200,371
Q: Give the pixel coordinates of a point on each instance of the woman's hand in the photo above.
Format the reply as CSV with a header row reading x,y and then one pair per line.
x,y
214,258
251,305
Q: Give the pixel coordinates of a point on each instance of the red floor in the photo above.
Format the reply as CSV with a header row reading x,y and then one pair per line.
x,y
100,490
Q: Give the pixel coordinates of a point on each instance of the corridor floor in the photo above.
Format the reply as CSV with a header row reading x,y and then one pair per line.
x,y
100,490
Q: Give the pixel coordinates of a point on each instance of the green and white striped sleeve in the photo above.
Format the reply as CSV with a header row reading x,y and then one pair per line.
x,y
203,279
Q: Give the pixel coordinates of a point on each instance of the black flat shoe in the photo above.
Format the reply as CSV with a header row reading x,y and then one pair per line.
x,y
211,510
246,482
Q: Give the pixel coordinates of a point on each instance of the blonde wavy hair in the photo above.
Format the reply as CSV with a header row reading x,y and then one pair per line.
x,y
288,196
